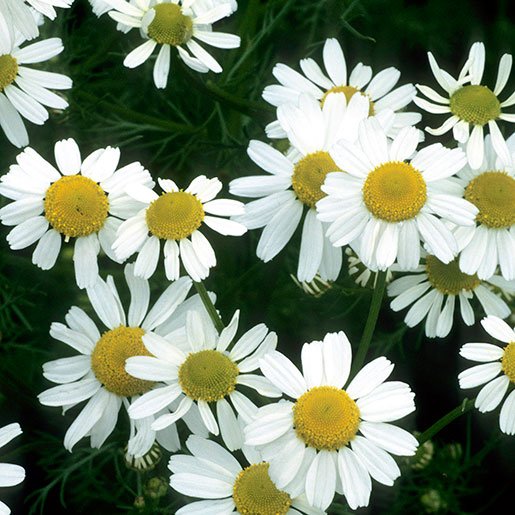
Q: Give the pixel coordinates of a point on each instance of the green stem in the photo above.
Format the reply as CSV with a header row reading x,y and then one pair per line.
x,y
366,338
465,406
134,116
210,307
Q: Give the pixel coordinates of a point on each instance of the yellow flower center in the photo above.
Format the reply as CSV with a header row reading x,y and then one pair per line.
x,y
493,193
175,215
170,26
8,70
254,493
394,191
475,104
208,376
309,174
109,356
349,91
76,206
508,361
448,278
326,418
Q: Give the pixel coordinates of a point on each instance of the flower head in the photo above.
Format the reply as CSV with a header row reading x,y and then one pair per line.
x,y
81,200
176,217
25,90
495,360
312,443
98,374
197,369
391,196
174,23
471,105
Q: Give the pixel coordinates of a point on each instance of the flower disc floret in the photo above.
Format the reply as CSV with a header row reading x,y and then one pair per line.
x,y
475,104
309,175
170,26
448,278
109,356
174,215
254,493
508,361
8,70
493,193
76,206
326,418
208,375
394,191
349,92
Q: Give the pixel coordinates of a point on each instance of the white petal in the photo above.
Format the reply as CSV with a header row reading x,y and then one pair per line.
x,y
283,374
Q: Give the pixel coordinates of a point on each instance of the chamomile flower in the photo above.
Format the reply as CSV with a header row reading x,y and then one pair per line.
x,y
98,374
174,23
214,474
25,90
295,180
312,443
390,197
470,104
383,99
10,474
175,217
80,201
19,15
197,368
496,360
491,188
433,290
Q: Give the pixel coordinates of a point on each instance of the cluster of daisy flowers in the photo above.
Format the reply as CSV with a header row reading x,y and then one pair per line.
x,y
359,176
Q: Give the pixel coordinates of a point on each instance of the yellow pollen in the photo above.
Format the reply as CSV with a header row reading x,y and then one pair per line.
x,y
493,193
349,91
326,418
448,278
475,104
309,174
175,215
8,70
108,360
508,361
76,206
170,26
208,376
394,191
254,493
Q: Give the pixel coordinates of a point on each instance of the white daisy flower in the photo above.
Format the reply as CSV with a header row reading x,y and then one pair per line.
x,y
433,290
174,23
378,90
23,89
80,201
175,217
491,188
312,444
470,104
389,198
10,475
214,474
295,180
495,360
19,15
196,368
98,373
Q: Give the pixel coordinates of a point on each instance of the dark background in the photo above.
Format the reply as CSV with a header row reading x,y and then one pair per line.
x,y
201,124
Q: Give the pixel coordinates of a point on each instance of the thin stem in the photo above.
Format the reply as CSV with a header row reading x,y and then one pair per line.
x,y
366,338
465,406
134,116
210,307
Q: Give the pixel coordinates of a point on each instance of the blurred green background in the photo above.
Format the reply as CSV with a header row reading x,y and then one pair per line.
x,y
201,124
